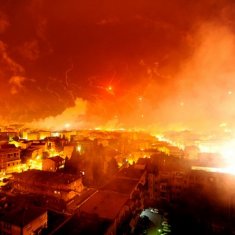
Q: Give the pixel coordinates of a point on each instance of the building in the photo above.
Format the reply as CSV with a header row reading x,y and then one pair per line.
x,y
23,221
167,178
65,134
113,209
81,223
53,163
9,134
33,152
54,142
106,205
53,184
32,136
175,151
131,182
68,150
44,134
9,159
86,146
123,186
191,152
22,144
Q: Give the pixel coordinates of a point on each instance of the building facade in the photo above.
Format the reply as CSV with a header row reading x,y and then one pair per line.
x,y
53,184
9,159
25,221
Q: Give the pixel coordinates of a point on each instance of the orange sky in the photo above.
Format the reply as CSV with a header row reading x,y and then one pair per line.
x,y
171,54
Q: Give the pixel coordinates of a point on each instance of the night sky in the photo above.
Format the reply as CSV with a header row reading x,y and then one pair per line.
x,y
118,63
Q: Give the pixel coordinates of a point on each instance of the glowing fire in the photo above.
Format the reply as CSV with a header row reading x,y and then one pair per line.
x,y
35,163
163,138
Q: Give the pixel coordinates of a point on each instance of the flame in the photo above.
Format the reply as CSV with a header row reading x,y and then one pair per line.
x,y
35,164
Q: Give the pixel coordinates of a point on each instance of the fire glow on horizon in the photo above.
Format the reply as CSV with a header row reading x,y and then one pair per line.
x,y
199,97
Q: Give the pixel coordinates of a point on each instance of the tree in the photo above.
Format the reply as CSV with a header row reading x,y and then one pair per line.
x,y
112,167
75,164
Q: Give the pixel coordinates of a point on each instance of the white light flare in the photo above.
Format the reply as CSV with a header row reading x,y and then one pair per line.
x,y
227,151
67,125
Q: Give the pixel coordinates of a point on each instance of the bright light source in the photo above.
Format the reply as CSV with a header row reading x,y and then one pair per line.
x,y
79,148
109,88
227,151
223,124
67,125
55,134
38,157
181,103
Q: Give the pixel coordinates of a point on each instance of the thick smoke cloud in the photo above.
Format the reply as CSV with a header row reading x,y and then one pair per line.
x,y
170,65
16,83
206,81
71,118
4,23
199,97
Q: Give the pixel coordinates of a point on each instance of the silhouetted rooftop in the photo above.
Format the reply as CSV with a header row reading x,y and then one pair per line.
x,y
84,224
22,216
56,159
105,204
45,177
124,186
131,172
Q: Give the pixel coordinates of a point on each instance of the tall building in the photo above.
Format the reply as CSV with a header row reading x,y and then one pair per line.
x,y
9,159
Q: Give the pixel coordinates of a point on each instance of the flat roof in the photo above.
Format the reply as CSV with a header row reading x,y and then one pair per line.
x,y
82,224
45,177
121,185
104,204
131,172
22,216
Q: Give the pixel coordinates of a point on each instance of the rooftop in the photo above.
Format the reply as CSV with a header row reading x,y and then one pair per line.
x,y
124,186
105,204
34,144
22,216
57,159
82,224
45,177
131,172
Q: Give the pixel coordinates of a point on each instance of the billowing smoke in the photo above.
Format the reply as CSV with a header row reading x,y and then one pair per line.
x,y
199,97
70,118
16,83
4,22
170,67
205,85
